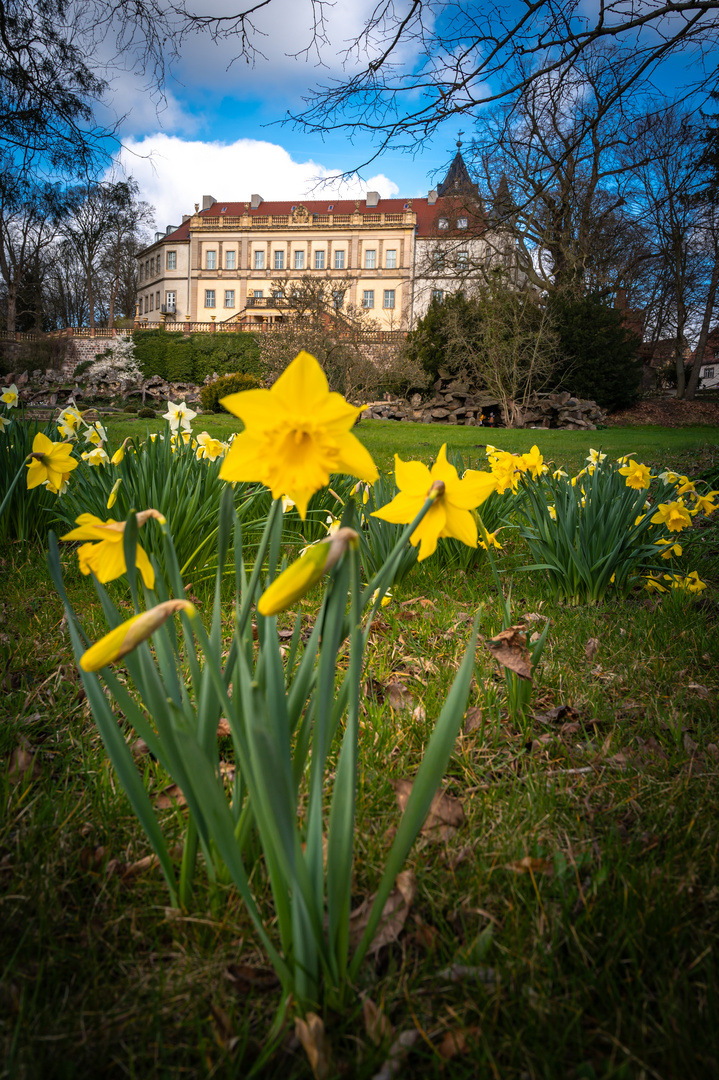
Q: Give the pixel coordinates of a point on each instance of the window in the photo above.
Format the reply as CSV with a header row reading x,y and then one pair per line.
x,y
299,260
209,297
170,300
229,297
152,301
368,298
370,257
172,260
319,260
461,223
152,267
339,260
158,299
708,373
391,258
388,298
229,260
462,260
140,308
147,267
211,260
338,298
438,260
443,223
279,260
258,294
438,295
259,260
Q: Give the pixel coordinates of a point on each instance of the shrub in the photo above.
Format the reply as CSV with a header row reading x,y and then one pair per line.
x,y
147,414
82,367
178,361
181,358
227,384
130,407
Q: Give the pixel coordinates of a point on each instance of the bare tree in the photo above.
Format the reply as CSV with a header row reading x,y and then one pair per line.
x,y
29,220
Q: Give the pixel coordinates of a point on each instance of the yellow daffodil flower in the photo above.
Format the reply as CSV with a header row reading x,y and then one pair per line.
x,y
112,497
552,512
296,434
386,599
287,503
105,556
96,457
69,421
95,434
209,448
691,583
705,503
672,548
4,423
626,459
332,524
637,476
654,584
61,488
558,474
506,470
10,396
674,515
128,635
49,461
301,575
534,462
454,500
684,485
491,541
595,458
364,488
669,477
119,454
179,416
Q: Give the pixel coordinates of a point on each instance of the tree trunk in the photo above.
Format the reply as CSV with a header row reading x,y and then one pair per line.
x,y
678,348
704,333
90,299
11,306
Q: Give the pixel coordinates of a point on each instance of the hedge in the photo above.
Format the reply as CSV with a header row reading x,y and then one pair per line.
x,y
191,358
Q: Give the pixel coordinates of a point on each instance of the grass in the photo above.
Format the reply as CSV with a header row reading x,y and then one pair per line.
x,y
384,438
578,901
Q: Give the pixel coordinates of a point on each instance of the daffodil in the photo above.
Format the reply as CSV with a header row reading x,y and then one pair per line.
x,y
364,489
105,555
691,582
674,515
61,488
119,454
705,503
595,458
112,497
506,470
552,512
209,448
128,635
386,599
625,459
669,477
10,396
287,503
179,416
69,421
534,462
490,541
95,434
301,575
4,423
296,434
96,457
654,584
558,474
671,547
684,485
637,476
49,461
454,500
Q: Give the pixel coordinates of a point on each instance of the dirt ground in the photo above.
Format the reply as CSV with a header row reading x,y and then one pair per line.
x,y
667,412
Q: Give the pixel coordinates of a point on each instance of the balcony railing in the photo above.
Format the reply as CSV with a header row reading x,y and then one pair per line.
x,y
327,221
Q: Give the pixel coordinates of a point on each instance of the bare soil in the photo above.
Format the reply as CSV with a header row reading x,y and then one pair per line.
x,y
667,412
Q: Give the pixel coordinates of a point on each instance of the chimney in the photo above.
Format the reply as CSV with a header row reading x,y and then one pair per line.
x,y
372,198
255,201
186,217
208,201
432,197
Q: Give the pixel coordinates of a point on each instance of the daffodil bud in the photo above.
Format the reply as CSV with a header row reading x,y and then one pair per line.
x,y
126,637
301,575
437,490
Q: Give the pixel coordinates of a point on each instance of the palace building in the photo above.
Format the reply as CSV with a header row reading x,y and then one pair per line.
x,y
233,262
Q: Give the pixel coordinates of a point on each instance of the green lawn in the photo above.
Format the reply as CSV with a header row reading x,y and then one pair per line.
x,y
384,438
567,931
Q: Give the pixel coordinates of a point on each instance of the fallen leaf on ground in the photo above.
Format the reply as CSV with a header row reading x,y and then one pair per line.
x,y
562,712
376,1023
591,648
139,748
397,1053
445,814
531,865
701,690
509,648
223,728
456,1042
170,796
22,764
534,616
419,714
311,1033
224,1030
246,977
472,720
398,696
394,914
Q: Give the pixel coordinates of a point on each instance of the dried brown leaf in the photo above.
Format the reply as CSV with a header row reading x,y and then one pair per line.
x,y
139,749
23,765
170,796
591,648
223,728
472,720
700,690
457,1042
311,1033
376,1023
399,697
445,814
246,977
530,865
509,648
394,914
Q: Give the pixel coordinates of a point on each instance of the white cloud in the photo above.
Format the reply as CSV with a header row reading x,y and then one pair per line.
x,y
174,174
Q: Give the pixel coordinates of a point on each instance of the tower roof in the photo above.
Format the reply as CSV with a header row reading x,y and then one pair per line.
x,y
457,181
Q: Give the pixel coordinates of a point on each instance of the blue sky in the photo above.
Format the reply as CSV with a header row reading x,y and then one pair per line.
x,y
217,131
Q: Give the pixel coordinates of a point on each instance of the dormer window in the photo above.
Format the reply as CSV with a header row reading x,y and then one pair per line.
x,y
461,223
443,223
331,206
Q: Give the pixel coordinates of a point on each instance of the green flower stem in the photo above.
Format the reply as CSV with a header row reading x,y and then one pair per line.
x,y
388,568
10,490
246,606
